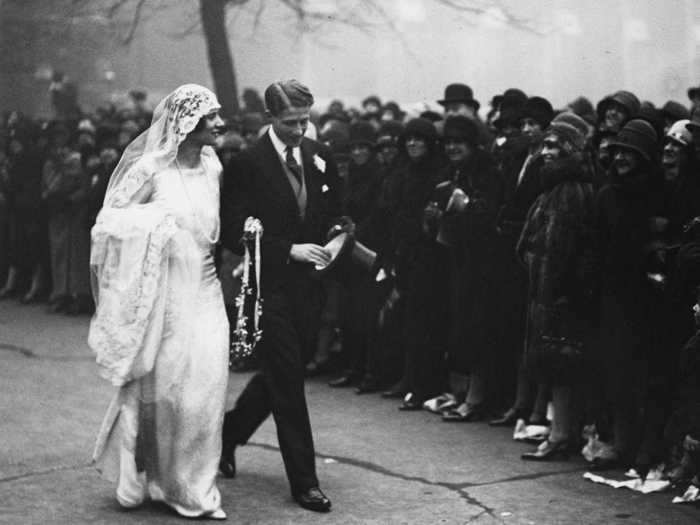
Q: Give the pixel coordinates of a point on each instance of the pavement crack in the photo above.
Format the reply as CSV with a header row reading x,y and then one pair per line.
x,y
26,352
459,488
60,468
522,477
31,354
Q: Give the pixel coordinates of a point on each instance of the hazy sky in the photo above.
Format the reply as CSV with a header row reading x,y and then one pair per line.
x,y
592,48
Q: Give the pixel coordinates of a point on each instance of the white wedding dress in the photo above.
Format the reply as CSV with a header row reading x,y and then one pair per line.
x,y
161,438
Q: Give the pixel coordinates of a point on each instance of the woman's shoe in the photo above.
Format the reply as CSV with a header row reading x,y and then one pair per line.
x,y
508,419
218,514
548,450
464,413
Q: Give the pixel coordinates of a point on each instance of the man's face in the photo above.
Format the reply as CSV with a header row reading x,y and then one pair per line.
x,y
530,127
551,148
615,116
210,131
454,109
625,161
457,150
360,154
291,124
416,147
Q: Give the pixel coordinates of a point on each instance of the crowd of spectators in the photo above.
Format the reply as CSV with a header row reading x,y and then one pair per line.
x,y
535,266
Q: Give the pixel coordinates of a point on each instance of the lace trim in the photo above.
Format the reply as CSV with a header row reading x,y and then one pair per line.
x,y
117,335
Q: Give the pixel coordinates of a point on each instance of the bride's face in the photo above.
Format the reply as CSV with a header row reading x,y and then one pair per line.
x,y
207,131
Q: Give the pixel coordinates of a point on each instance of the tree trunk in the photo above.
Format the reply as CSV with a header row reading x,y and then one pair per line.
x,y
213,13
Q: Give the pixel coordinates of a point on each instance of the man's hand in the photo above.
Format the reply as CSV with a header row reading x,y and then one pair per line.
x,y
310,253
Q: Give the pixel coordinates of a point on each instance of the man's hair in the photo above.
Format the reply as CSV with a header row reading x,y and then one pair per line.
x,y
283,95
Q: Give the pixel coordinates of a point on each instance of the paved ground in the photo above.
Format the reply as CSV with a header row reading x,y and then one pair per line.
x,y
377,464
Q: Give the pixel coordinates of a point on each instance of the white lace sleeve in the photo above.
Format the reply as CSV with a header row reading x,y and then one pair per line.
x,y
132,254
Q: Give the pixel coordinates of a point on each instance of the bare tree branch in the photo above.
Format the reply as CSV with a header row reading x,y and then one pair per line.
x,y
482,8
116,7
134,22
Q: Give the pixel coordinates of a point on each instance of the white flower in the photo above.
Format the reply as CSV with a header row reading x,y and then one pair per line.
x,y
324,188
320,164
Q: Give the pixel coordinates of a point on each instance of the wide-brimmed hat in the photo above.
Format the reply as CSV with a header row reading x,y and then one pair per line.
x,y
626,99
420,127
568,133
574,120
675,111
638,135
539,109
459,93
362,132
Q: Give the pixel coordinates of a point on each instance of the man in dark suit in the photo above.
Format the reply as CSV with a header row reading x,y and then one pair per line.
x,y
289,182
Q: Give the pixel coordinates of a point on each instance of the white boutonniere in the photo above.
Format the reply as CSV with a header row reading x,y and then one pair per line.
x,y
320,164
325,188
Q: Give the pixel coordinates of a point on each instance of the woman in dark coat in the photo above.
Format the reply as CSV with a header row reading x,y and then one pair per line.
x,y
556,246
421,268
626,210
470,200
361,192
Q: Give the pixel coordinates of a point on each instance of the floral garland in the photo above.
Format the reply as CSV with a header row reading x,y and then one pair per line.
x,y
244,339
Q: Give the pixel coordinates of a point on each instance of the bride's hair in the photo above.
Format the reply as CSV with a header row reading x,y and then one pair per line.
x,y
287,94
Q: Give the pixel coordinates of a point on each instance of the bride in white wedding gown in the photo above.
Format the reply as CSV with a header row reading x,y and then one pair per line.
x,y
160,330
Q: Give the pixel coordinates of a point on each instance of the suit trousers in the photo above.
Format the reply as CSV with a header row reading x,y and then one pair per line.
x,y
290,326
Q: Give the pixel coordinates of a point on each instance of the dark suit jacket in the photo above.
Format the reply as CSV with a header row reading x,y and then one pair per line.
x,y
256,185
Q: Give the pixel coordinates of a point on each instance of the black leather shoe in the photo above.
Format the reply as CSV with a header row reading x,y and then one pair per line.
x,y
313,499
227,464
547,451
342,381
508,419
